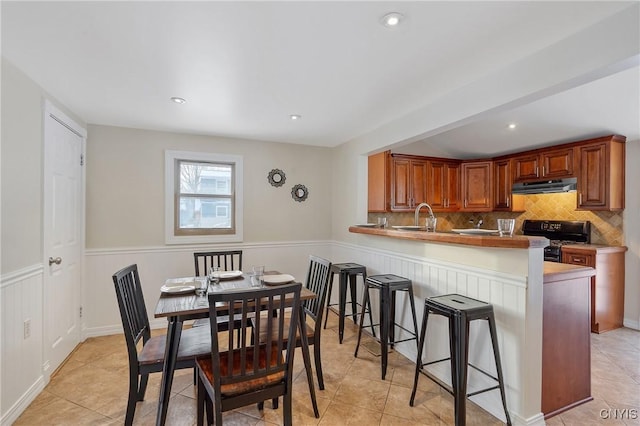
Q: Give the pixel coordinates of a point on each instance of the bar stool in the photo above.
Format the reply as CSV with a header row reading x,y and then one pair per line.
x,y
460,310
347,274
388,285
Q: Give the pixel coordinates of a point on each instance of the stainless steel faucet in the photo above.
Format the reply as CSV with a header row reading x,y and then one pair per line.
x,y
417,213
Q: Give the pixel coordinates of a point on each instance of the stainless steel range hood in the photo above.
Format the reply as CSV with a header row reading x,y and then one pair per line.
x,y
545,186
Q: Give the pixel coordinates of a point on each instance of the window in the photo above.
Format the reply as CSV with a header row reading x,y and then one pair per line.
x,y
203,197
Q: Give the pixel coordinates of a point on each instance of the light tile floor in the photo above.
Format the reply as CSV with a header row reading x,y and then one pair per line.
x,y
91,389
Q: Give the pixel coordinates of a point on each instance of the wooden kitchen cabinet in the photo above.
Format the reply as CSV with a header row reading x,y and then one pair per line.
x,y
443,185
504,200
379,183
566,341
607,286
601,174
477,183
408,182
546,163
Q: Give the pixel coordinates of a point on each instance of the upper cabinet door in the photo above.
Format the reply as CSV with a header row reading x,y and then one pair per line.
x,y
477,182
408,182
378,183
400,181
526,167
557,164
443,185
601,176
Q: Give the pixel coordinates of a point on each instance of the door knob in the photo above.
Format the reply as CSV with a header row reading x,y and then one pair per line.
x,y
57,261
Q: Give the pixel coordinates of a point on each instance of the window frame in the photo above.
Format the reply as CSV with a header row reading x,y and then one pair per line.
x,y
172,198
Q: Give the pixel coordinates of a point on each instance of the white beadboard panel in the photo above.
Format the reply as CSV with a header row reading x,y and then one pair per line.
x,y
508,293
156,264
21,359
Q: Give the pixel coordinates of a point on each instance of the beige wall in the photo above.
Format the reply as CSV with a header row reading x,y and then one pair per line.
x,y
632,235
21,156
125,186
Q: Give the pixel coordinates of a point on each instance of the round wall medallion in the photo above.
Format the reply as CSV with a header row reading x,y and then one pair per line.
x,y
276,177
299,192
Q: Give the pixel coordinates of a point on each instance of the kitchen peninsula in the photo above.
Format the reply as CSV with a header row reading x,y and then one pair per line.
x,y
509,273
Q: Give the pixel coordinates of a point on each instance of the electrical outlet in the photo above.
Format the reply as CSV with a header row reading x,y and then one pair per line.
x,y
27,328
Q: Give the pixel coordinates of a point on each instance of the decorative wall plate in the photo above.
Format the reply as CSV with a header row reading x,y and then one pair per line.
x,y
299,192
276,177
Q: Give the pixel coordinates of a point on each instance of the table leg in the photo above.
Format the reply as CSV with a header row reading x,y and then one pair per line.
x,y
307,361
174,331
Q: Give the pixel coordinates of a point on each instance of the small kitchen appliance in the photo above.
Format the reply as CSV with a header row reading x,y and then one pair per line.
x,y
559,232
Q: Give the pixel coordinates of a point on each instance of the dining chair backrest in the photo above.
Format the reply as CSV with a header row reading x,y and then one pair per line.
x,y
318,277
225,260
132,309
235,371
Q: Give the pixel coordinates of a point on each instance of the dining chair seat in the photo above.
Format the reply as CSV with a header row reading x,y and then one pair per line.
x,y
231,389
193,342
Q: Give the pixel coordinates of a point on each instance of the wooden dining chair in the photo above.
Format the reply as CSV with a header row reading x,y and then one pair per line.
x,y
150,358
248,374
230,260
318,276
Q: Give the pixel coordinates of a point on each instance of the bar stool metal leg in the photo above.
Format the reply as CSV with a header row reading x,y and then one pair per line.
x,y
365,302
496,355
386,319
423,332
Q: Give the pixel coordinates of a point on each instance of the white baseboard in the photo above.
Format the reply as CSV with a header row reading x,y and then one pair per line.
x,y
631,324
23,402
160,323
537,420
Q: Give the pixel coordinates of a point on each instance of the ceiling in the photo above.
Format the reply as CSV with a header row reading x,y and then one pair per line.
x,y
245,67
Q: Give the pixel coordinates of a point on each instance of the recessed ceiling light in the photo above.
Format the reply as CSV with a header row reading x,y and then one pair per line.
x,y
391,20
178,100
512,126
295,117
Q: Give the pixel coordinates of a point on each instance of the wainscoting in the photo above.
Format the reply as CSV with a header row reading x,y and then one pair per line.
x,y
21,345
22,363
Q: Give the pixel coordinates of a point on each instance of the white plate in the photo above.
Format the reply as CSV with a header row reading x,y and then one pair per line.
x,y
277,279
178,289
475,231
227,275
409,227
179,282
368,225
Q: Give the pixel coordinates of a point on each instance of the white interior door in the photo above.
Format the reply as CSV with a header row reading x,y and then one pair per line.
x,y
63,232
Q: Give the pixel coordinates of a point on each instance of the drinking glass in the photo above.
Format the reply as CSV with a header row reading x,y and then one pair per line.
x,y
258,274
382,222
430,223
202,286
214,275
505,227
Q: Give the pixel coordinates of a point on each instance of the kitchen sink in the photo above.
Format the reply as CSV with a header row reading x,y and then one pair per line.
x,y
409,228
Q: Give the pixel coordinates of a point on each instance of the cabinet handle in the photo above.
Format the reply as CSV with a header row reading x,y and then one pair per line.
x,y
508,201
465,202
579,198
537,171
542,170
446,202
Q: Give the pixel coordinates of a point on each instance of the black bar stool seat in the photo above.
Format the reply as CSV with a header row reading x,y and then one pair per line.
x,y
388,285
347,275
460,310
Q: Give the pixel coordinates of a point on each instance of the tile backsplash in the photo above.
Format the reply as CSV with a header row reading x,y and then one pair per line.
x,y
606,227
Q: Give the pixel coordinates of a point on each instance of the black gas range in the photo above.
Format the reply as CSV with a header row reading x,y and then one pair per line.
x,y
559,232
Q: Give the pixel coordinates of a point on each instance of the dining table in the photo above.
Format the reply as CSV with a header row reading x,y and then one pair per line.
x,y
179,307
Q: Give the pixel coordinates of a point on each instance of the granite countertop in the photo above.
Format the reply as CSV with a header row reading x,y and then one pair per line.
x,y
481,240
